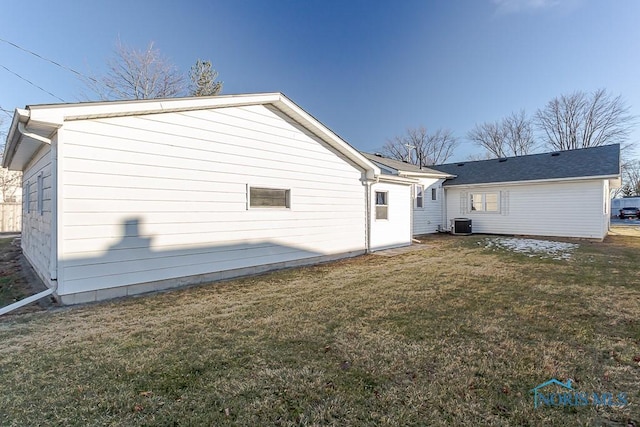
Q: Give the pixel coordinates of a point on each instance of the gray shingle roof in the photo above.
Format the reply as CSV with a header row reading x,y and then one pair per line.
x,y
595,161
400,166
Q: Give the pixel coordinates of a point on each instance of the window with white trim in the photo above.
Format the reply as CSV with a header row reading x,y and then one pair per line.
x,y
419,189
434,194
382,205
269,198
40,193
27,197
485,202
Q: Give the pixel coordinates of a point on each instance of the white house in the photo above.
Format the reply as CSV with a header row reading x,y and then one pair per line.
x,y
427,193
129,197
565,193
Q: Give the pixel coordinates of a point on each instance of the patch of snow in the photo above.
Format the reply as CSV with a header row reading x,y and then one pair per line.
x,y
532,247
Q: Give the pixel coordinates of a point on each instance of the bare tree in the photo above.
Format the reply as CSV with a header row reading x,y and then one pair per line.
x,y
630,179
512,136
203,79
421,148
582,120
138,74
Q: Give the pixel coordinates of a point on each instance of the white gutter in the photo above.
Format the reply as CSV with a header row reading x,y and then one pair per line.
x,y
32,135
52,289
532,181
396,179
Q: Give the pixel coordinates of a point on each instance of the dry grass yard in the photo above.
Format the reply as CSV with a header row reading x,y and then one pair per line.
x,y
456,333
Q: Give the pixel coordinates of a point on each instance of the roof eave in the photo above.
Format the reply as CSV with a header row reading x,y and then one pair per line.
x,y
426,174
397,179
13,137
533,181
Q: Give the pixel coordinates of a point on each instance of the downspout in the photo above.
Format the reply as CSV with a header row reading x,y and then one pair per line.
x,y
52,289
368,184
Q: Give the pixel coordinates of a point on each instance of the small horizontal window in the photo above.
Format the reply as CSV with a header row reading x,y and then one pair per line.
x,y
269,198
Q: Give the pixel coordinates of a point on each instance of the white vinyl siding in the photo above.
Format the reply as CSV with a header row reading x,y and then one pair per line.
x,y
396,229
36,220
164,196
427,219
538,209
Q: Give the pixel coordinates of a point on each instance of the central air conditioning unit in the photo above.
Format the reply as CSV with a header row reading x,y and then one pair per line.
x,y
461,226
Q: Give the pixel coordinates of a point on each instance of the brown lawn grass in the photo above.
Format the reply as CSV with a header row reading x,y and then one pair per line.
x,y
452,334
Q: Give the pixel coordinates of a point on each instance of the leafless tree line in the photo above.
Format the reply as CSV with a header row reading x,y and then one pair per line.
x,y
577,120
512,136
567,122
147,74
422,148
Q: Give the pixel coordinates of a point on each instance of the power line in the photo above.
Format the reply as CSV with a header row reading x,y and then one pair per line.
x,y
49,60
31,83
7,112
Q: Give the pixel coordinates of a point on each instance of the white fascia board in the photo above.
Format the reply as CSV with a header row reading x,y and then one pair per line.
x,y
398,179
536,181
426,174
92,110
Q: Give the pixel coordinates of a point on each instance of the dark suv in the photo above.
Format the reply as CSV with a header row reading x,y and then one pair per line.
x,y
629,212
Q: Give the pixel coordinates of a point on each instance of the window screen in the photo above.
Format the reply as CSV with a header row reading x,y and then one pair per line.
x,y
269,198
382,206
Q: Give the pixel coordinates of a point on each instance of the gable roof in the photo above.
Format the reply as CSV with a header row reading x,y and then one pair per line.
x,y
403,168
34,126
601,162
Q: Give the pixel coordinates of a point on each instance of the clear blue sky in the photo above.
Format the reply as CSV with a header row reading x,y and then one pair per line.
x,y
366,69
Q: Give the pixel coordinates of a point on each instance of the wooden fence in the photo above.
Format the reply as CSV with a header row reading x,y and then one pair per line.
x,y
10,217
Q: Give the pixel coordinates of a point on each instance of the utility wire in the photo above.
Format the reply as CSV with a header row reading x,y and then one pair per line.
x,y
31,83
7,112
48,60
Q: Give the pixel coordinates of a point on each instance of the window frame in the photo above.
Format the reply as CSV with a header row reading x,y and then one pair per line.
x,y
481,207
434,194
419,199
384,205
287,195
40,194
27,196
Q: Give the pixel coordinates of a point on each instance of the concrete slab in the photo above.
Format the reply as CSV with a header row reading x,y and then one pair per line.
x,y
400,251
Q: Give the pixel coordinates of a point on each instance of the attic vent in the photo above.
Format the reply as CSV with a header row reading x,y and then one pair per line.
x,y
502,160
555,154
460,164
377,154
